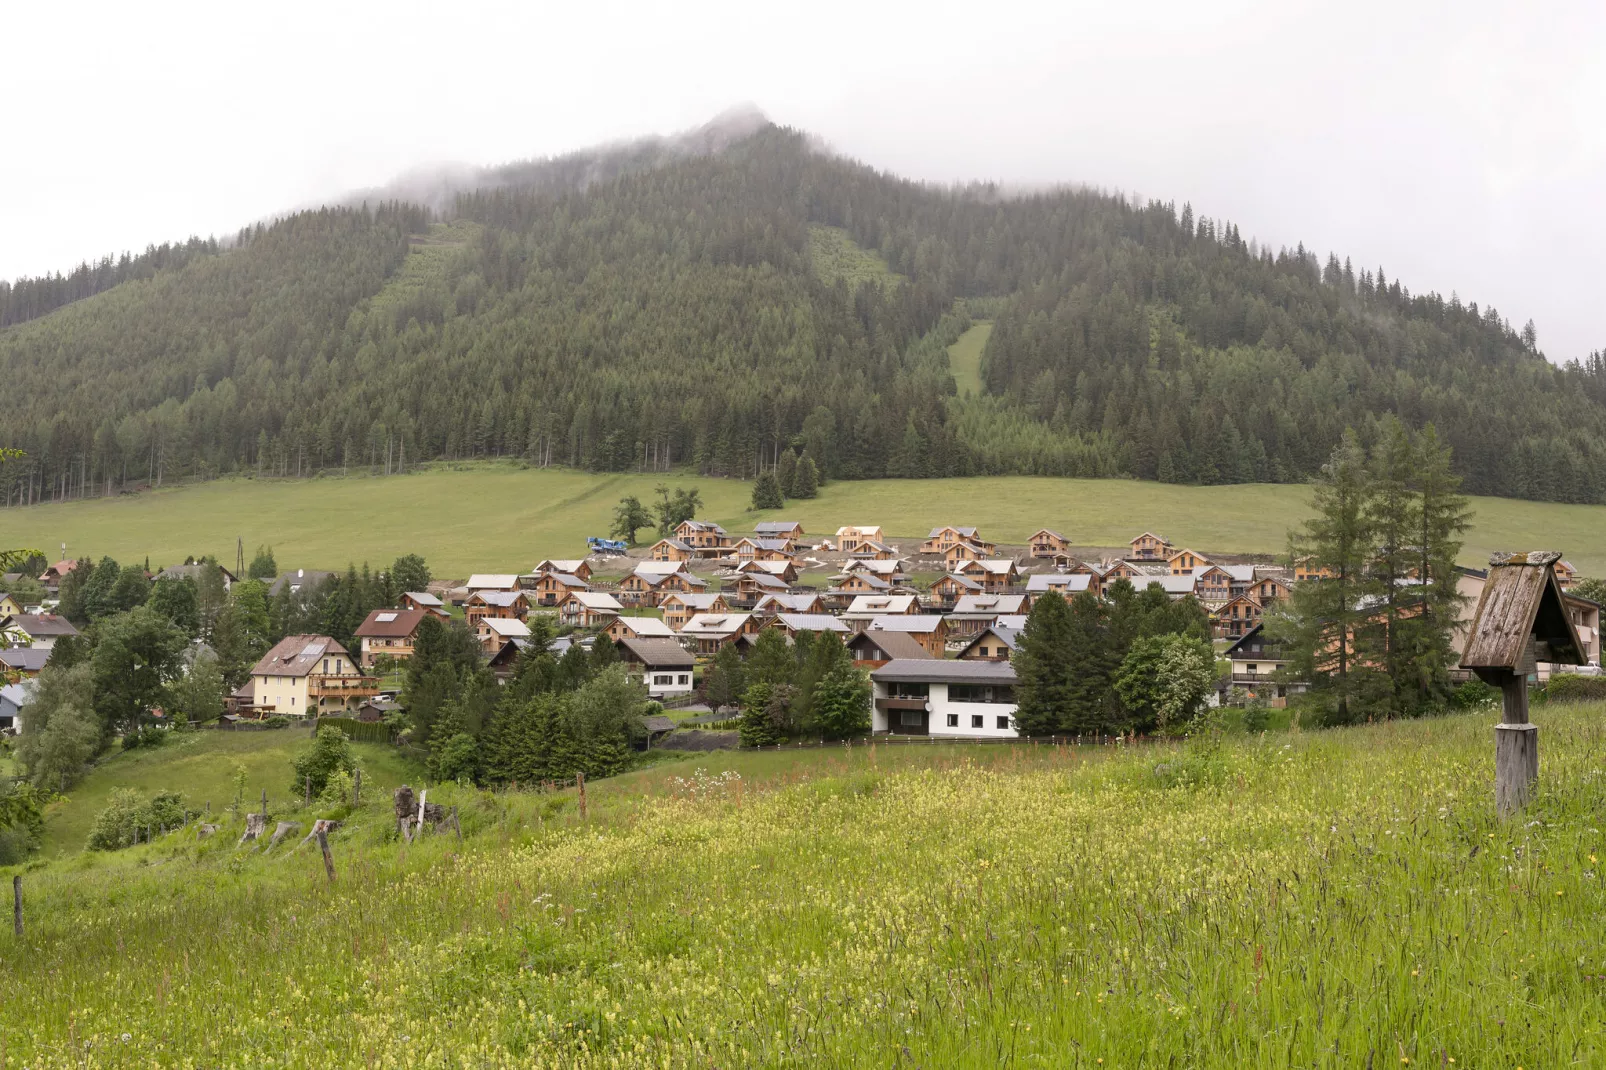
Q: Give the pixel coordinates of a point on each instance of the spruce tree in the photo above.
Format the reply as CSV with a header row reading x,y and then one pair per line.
x,y
767,492
1444,518
1043,669
785,470
1092,707
806,480
1387,637
1326,614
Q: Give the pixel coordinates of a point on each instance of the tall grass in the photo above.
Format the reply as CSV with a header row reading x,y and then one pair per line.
x,y
1335,899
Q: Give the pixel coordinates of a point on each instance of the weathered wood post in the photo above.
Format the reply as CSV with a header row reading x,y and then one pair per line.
x,y
1521,620
580,781
356,789
307,797
16,903
328,859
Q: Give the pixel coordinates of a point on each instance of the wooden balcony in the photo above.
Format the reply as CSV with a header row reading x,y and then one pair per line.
x,y
343,687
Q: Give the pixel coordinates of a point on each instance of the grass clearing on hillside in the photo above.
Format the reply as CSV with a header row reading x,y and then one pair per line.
x,y
837,257
201,764
1342,898
964,358
501,517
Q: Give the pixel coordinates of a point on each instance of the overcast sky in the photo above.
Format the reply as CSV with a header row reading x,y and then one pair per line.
x,y
1462,146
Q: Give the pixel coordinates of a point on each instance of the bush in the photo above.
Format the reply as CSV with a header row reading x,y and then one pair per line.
x,y
360,731
126,819
330,751
1472,694
1571,687
276,721
149,736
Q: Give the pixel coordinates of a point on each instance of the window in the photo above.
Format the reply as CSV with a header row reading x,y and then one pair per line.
x,y
953,720
997,693
663,679
684,679
911,718
292,700
901,689
1251,668
1003,722
975,720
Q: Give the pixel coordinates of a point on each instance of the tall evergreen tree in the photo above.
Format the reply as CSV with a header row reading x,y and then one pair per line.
x,y
1043,669
767,492
806,480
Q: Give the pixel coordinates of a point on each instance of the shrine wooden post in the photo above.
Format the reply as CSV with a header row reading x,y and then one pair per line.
x,y
1520,621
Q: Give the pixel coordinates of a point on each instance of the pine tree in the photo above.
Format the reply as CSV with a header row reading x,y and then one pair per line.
x,y
767,492
1444,518
1043,668
1385,638
1092,707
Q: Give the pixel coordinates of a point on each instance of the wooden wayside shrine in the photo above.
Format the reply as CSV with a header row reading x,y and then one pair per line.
x,y
1521,620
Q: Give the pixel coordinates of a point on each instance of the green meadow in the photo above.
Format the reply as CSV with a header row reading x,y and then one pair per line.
x,y
503,517
964,358
1337,898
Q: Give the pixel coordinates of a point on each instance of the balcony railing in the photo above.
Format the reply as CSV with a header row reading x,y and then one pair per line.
x,y
343,687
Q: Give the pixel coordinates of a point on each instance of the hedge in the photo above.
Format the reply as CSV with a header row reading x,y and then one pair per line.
x,y
1571,687
360,731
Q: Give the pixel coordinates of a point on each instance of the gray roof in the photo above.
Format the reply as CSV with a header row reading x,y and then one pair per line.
x,y
657,653
1240,573
990,603
897,646
1010,636
299,580
1039,582
423,598
811,622
41,625
499,598
944,670
769,527
968,533
25,658
657,722
1171,584
906,622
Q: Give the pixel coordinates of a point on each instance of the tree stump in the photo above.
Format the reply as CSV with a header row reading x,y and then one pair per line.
x,y
283,829
203,830
406,804
323,825
255,826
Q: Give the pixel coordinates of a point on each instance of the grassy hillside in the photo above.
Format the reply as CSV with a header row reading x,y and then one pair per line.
x,y
201,765
964,358
1342,898
491,517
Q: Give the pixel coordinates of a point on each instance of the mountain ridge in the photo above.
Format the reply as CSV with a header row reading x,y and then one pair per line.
x,y
665,301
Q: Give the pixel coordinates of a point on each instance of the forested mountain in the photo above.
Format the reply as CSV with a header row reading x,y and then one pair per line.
x,y
712,304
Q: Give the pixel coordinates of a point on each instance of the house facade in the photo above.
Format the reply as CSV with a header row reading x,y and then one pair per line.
x,y
309,675
509,605
943,539
960,699
388,632
849,539
1049,544
708,632
661,664
589,609
678,608
706,539
671,550
927,629
1149,547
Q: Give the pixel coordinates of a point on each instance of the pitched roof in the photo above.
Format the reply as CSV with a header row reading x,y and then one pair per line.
x,y
872,581
764,580
657,653
192,571
701,525
865,564
424,598
811,622
660,568
568,579
1049,531
24,658
390,623
945,670
788,603
990,603
492,581
962,581
596,600
773,568
867,604
40,625
648,627
673,543
1002,566
1072,583
505,627
1239,573
1170,584
500,599
567,565
715,623
701,600
299,580
297,655
776,527
897,646
1013,621
658,722
914,623
964,533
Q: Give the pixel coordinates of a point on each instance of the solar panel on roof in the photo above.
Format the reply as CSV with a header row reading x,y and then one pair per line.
x,y
385,618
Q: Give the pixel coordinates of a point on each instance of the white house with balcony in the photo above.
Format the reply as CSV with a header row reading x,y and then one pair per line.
x,y
952,699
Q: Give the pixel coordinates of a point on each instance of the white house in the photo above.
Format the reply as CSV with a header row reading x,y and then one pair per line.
x,y
936,697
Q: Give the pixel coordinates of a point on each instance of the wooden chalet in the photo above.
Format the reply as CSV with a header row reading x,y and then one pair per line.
x,y
1049,544
388,632
708,632
785,570
492,632
748,549
644,588
510,605
706,538
793,602
1267,589
551,588
1306,569
1566,574
975,612
867,607
1149,547
871,650
492,581
639,627
965,550
948,590
927,629
1234,619
941,540
994,574
589,609
1212,584
425,601
749,587
852,537
857,583
888,568
680,607
574,566
1185,562
1066,585
993,643
873,551
671,550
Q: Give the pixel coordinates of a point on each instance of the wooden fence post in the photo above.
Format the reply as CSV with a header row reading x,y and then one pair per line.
x,y
421,797
16,903
307,800
328,859
580,781
264,804
356,789
456,826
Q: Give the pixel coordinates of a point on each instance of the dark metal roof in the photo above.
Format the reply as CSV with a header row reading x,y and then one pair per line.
x,y
657,653
945,671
